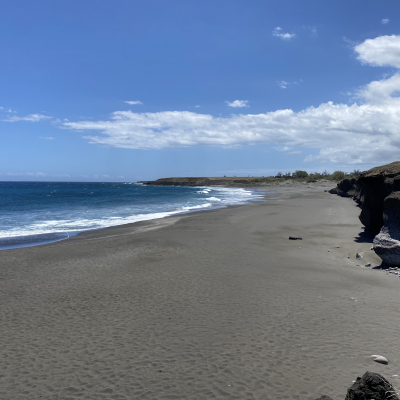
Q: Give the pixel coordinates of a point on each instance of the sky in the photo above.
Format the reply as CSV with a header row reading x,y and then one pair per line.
x,y
128,90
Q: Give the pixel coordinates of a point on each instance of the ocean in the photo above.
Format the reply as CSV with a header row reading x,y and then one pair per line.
x,y
33,213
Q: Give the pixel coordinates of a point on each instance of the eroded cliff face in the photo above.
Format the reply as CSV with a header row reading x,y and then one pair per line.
x,y
349,188
376,184
378,192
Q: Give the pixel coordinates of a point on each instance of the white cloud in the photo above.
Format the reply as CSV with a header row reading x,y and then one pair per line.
x,y
294,152
31,118
367,132
381,52
37,174
197,106
282,148
134,102
280,34
238,103
384,21
47,138
283,84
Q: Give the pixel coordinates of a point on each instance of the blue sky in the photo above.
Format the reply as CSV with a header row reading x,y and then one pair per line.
x,y
130,90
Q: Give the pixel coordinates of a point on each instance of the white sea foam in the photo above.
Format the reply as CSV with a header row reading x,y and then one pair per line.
x,y
213,199
204,191
78,221
205,205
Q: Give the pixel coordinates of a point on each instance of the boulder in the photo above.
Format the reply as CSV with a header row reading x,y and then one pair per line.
x,y
387,243
371,387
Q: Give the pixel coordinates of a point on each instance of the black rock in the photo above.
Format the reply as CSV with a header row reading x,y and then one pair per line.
x,y
295,238
348,188
377,183
371,387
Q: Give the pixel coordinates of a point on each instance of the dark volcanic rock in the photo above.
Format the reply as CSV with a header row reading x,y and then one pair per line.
x,y
371,387
348,188
377,184
387,242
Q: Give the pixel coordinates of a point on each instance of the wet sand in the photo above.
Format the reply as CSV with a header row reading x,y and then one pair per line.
x,y
211,305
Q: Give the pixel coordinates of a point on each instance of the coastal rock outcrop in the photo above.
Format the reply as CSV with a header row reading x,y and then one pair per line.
x,y
376,184
387,242
197,181
348,188
371,386
378,192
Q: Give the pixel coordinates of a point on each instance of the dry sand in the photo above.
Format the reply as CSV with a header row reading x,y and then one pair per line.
x,y
214,305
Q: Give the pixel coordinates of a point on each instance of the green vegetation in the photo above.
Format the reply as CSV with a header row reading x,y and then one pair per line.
x,y
338,176
298,176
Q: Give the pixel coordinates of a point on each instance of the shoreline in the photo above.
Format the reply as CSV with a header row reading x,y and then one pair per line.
x,y
214,304
40,239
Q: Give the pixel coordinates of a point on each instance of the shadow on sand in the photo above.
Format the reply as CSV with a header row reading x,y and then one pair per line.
x,y
365,236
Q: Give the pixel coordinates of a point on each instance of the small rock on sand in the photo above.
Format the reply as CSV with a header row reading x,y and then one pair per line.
x,y
380,359
368,265
359,256
295,238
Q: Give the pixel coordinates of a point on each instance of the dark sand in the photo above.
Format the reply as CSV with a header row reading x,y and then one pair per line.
x,y
215,305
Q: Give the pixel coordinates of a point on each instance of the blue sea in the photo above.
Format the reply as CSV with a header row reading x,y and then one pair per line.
x,y
33,213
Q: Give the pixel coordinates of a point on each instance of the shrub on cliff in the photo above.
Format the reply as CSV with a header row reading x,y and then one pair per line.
x,y
338,176
301,174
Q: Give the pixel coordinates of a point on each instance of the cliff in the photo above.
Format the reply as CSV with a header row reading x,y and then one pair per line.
x,y
378,192
376,184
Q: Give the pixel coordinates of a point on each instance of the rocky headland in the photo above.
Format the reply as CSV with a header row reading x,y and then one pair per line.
x,y
211,181
377,191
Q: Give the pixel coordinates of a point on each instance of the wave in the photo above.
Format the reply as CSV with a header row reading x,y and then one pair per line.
x,y
43,227
213,199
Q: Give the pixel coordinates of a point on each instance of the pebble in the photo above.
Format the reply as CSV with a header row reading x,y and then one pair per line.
x,y
359,256
368,265
380,359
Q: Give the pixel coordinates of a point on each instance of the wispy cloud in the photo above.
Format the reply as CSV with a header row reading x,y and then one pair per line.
x,y
31,118
282,148
283,84
311,29
385,21
294,152
47,138
197,106
278,32
134,102
238,103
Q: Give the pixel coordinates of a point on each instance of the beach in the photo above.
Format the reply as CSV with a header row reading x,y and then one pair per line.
x,y
210,305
